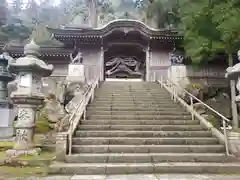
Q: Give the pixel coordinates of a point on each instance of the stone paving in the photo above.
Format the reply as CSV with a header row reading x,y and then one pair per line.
x,y
138,177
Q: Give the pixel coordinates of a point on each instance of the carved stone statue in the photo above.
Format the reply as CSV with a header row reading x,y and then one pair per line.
x,y
77,58
61,91
176,57
6,55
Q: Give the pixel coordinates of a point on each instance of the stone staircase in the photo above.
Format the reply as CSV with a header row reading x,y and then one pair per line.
x,y
135,127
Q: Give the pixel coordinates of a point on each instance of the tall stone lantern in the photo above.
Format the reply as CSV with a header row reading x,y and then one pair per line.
x,y
233,73
6,122
28,96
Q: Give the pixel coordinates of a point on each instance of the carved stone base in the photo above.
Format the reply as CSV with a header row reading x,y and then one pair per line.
x,y
234,142
61,146
23,152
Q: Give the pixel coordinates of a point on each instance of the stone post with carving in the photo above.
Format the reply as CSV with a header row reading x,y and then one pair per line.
x,y
76,86
233,73
6,121
76,81
28,96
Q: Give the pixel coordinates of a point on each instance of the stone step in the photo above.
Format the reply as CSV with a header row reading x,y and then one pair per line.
x,y
167,107
169,103
142,133
138,107
151,101
143,127
150,112
132,94
131,91
143,168
148,148
132,87
146,157
139,122
140,117
117,94
136,100
128,91
144,141
162,109
131,97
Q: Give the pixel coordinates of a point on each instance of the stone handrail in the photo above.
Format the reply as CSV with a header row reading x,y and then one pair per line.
x,y
64,139
174,89
81,111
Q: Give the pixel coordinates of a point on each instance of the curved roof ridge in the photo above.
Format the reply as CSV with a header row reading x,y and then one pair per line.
x,y
126,20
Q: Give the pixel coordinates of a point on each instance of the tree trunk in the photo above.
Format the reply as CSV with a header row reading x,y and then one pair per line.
x,y
93,13
233,96
3,11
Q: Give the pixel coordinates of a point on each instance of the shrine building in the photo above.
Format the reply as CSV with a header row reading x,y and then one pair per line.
x,y
119,49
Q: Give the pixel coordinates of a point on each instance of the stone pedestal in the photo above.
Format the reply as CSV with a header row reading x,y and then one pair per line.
x,y
76,84
61,146
28,96
178,74
6,121
234,143
76,73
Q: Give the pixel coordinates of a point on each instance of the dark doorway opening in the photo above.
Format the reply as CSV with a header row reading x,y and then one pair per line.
x,y
125,61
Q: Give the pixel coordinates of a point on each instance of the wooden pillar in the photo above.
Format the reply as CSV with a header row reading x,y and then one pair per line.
x,y
148,59
101,64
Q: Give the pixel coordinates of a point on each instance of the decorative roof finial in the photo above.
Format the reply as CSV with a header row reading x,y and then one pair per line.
x,y
32,49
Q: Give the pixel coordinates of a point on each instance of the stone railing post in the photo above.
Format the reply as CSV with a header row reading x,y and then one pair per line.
x,y
6,122
61,146
28,97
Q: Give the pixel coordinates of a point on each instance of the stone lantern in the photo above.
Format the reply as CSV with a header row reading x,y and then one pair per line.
x,y
6,122
233,73
28,96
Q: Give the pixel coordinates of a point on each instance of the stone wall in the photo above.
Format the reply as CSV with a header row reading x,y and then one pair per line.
x,y
183,75
160,65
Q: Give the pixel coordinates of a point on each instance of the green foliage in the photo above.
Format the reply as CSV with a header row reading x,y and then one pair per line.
x,y
210,27
42,122
194,86
14,29
43,37
214,121
228,24
163,12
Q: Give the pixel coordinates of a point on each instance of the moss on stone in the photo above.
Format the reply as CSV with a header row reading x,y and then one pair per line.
x,y
44,155
5,145
237,130
192,86
42,123
8,171
214,121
